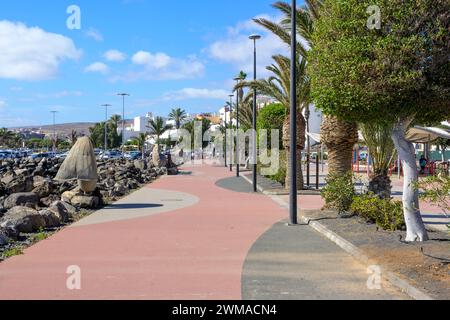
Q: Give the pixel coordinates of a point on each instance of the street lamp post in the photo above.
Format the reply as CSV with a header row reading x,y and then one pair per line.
x,y
238,163
254,37
123,118
231,135
293,158
308,150
54,131
106,125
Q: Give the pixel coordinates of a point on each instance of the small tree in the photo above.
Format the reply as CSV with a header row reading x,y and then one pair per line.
x,y
271,117
178,115
158,128
382,151
398,74
141,141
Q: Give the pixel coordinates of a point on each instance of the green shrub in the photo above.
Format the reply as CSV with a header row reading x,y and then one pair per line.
x,y
41,236
280,176
339,192
12,252
271,117
386,213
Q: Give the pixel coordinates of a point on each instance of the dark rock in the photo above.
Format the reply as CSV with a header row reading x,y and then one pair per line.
x,y
70,208
47,201
68,195
51,219
140,164
44,189
20,184
20,172
29,199
37,180
60,210
85,202
39,171
119,189
23,219
4,238
8,178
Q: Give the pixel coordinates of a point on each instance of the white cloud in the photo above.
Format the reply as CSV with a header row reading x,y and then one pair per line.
x,y
16,89
32,53
160,66
194,93
97,67
94,34
115,56
158,60
2,104
237,48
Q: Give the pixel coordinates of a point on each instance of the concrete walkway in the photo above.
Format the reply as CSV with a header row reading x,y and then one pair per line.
x,y
197,236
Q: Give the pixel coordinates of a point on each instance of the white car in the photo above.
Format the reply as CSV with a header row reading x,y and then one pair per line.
x,y
109,155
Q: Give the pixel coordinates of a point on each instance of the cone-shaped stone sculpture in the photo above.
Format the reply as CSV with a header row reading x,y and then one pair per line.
x,y
80,164
156,157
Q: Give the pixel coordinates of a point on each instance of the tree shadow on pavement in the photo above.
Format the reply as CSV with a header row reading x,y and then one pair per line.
x,y
133,206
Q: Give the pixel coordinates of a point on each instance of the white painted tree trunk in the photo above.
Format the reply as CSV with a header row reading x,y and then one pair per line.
x,y
415,227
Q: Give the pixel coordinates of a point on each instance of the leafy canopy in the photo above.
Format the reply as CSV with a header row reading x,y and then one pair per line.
x,y
399,71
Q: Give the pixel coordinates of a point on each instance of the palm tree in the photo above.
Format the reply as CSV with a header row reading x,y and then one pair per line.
x,y
241,76
278,86
206,126
141,140
115,119
177,115
158,127
377,137
73,137
245,112
338,136
6,137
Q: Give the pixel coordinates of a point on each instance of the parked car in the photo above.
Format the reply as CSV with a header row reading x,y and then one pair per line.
x,y
62,155
8,154
133,155
42,155
109,155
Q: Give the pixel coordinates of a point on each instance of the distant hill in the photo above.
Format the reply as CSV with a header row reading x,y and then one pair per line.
x,y
62,129
82,128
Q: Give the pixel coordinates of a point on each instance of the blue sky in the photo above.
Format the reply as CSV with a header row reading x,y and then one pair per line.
x,y
166,54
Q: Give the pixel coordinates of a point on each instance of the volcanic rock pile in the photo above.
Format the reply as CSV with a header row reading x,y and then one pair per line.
x,y
31,200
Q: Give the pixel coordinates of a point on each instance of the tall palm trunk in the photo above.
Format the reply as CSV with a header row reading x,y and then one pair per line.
x,y
340,138
301,131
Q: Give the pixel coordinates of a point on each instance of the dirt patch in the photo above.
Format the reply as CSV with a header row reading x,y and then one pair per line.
x,y
424,265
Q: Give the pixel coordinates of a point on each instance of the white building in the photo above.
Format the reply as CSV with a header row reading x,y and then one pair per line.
x,y
138,126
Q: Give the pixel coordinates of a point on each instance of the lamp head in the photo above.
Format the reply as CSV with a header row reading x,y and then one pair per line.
x,y
255,37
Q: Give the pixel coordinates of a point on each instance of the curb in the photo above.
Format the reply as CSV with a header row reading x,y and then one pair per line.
x,y
354,251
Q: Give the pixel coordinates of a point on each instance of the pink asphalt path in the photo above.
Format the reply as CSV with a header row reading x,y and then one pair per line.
x,y
190,253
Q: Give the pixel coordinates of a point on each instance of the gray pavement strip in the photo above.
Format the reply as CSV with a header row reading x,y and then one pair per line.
x,y
349,248
142,203
297,263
